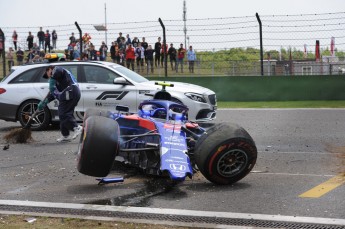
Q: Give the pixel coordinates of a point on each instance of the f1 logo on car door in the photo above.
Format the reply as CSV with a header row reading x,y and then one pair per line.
x,y
99,90
117,95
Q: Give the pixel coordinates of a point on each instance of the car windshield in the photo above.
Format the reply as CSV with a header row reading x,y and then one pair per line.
x,y
130,74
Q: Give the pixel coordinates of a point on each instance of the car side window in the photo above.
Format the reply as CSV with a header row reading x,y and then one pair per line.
x,y
30,76
96,74
72,68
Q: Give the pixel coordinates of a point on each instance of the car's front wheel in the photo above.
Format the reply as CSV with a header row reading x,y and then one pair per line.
x,y
99,144
225,153
25,111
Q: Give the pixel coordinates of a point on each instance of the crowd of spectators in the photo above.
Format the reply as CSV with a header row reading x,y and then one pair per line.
x,y
132,53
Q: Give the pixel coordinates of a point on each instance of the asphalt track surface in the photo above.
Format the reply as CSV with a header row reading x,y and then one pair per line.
x,y
299,172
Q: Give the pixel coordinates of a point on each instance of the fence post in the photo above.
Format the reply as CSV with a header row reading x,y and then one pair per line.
x,y
165,49
80,39
261,46
3,51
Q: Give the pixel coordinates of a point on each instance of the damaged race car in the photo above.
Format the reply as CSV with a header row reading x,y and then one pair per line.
x,y
161,141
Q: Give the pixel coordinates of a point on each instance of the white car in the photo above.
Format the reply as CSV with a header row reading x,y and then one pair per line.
x,y
102,84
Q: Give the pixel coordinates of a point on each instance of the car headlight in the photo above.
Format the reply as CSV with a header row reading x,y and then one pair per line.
x,y
196,97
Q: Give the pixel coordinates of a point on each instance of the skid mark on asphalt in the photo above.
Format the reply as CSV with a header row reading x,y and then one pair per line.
x,y
325,187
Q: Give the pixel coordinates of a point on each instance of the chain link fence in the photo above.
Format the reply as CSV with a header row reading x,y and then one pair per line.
x,y
228,46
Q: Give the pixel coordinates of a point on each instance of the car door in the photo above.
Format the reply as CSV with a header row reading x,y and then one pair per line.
x,y
44,88
99,90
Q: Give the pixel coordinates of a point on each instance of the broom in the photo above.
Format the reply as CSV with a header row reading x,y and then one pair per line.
x,y
21,135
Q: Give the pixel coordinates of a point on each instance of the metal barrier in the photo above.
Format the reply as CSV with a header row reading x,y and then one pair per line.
x,y
232,45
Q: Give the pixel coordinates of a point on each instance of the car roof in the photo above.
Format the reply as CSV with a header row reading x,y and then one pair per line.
x,y
28,66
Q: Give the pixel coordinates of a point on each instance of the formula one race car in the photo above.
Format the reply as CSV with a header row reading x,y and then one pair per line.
x,y
160,140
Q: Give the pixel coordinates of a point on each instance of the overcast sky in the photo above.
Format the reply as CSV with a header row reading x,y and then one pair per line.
x,y
28,13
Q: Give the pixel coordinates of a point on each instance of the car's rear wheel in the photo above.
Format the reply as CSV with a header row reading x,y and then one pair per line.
x,y
226,154
42,119
98,146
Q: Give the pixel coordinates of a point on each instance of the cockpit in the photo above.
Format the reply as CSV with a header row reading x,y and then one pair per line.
x,y
162,109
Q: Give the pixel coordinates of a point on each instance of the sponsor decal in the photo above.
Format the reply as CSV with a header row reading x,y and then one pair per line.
x,y
174,143
174,138
118,95
169,126
144,92
106,104
178,167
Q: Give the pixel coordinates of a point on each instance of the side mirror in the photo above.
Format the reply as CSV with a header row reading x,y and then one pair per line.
x,y
120,80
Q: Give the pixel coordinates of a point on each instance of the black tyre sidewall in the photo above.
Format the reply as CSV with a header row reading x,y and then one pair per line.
x,y
219,140
46,120
98,147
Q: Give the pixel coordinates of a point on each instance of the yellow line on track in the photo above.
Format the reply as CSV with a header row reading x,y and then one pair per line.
x,y
325,187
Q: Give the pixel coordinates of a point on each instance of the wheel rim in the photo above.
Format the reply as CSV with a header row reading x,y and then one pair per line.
x,y
26,112
232,162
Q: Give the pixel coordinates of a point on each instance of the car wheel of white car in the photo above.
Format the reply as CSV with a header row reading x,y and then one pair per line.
x,y
42,119
99,144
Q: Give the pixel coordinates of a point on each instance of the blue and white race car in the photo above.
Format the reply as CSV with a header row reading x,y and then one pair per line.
x,y
161,141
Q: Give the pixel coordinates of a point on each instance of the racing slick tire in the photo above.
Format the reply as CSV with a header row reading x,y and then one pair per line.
x,y
225,154
98,146
96,112
42,119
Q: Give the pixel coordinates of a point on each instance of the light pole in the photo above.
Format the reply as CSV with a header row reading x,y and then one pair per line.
x,y
185,20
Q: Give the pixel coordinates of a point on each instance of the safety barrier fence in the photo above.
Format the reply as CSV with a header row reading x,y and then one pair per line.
x,y
301,44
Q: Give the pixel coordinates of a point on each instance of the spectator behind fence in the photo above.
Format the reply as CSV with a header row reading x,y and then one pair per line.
x,y
103,51
158,47
128,40
20,56
140,56
40,36
130,57
10,58
191,57
93,53
120,38
116,53
112,52
54,39
180,56
135,42
35,49
122,57
72,40
149,58
30,56
172,56
30,40
86,38
163,51
47,41
15,39
144,44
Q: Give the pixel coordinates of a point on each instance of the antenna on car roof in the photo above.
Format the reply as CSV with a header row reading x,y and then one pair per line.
x,y
163,94
164,84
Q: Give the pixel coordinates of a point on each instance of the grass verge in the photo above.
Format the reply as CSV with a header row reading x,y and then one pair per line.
x,y
283,104
25,221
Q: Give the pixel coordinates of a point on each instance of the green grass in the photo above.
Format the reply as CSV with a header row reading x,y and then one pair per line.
x,y
283,104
